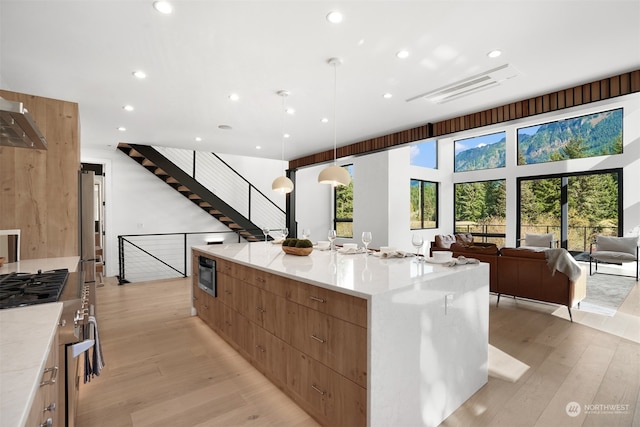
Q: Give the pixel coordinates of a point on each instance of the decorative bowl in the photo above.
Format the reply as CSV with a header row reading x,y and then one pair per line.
x,y
297,251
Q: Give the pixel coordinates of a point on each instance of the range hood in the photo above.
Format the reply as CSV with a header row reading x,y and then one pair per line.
x,y
17,127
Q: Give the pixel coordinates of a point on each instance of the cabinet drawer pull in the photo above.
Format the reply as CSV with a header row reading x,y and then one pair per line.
x,y
50,408
52,379
317,338
313,386
312,298
259,347
261,310
47,423
261,279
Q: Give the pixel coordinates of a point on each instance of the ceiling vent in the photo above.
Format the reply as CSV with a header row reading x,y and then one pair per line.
x,y
470,85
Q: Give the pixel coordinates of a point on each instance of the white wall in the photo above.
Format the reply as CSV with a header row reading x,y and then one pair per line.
x,y
314,203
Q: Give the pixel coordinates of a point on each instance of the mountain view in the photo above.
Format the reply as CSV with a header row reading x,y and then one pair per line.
x,y
483,156
586,136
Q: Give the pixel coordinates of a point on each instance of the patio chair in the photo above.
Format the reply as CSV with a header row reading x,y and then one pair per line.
x,y
615,250
545,240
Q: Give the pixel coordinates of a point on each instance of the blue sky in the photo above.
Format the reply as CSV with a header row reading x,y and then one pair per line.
x,y
424,154
529,130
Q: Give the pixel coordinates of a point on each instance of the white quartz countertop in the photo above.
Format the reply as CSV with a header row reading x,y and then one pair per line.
x,y
26,335
356,274
44,264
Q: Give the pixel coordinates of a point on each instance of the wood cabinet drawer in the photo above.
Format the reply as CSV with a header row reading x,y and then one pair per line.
x,y
329,397
269,282
232,269
269,354
229,290
45,403
267,310
338,344
343,306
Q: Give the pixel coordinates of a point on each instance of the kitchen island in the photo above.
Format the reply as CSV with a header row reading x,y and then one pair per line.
x,y
353,339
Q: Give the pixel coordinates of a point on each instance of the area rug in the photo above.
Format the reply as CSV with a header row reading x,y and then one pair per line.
x,y
606,292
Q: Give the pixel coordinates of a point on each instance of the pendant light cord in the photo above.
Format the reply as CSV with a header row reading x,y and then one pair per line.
x,y
282,130
335,94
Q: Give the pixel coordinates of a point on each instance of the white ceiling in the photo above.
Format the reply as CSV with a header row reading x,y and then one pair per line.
x,y
85,52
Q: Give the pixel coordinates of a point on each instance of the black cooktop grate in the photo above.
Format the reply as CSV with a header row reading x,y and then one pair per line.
x,y
20,289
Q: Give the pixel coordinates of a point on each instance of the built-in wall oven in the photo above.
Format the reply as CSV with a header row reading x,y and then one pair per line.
x,y
207,275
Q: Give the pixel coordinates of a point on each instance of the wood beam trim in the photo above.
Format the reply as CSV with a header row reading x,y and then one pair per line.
x,y
611,87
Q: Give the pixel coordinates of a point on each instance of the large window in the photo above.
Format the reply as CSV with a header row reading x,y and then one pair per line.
x,y
480,152
425,154
424,204
480,209
573,207
591,135
343,196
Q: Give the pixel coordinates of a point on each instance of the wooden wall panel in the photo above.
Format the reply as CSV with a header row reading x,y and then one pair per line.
x,y
39,188
610,87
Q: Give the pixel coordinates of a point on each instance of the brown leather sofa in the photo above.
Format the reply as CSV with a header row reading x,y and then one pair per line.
x,y
524,273
462,244
483,252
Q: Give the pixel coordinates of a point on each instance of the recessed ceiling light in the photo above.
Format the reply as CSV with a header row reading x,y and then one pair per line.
x,y
334,17
197,138
290,111
163,7
324,120
225,127
494,53
258,147
402,54
387,95
128,108
286,135
234,97
122,128
139,74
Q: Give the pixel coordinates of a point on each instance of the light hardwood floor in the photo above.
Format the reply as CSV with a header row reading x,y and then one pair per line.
x,y
166,368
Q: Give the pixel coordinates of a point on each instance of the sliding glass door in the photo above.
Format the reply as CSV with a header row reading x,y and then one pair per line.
x,y
574,207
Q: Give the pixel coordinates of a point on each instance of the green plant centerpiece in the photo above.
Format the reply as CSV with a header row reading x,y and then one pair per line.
x,y
300,247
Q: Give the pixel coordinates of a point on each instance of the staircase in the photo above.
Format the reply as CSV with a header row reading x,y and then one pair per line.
x,y
197,193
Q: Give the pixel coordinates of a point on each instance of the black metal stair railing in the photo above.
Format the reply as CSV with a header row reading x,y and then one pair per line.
x,y
144,257
183,179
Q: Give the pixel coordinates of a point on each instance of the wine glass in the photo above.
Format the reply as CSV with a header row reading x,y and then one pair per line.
x,y
417,241
366,239
265,231
306,233
285,233
332,236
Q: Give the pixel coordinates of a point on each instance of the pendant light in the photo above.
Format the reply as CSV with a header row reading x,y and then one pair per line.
x,y
282,184
334,175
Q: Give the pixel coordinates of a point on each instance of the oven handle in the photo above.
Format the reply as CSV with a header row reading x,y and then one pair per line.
x,y
81,347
